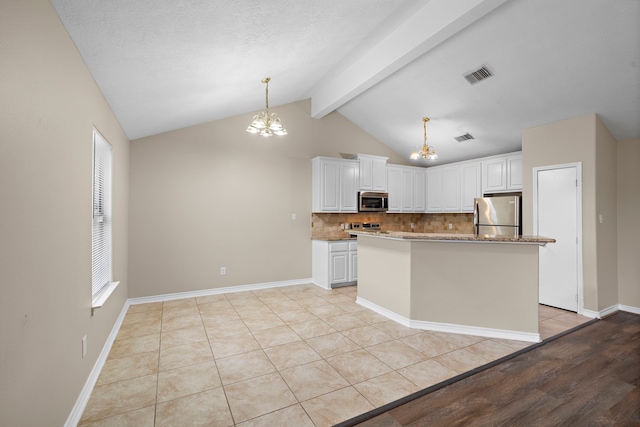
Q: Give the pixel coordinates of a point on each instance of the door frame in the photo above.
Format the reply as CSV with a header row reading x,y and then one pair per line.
x,y
578,167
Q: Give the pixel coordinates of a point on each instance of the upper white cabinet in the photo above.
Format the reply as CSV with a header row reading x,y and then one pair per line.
x,y
335,185
470,188
452,188
407,191
373,172
514,172
394,187
406,186
502,173
434,190
419,190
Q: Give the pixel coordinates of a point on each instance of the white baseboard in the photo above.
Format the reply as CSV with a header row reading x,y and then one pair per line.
x,y
384,312
451,328
218,291
629,309
85,394
609,311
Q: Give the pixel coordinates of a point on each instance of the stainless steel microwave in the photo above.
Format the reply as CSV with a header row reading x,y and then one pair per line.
x,y
370,201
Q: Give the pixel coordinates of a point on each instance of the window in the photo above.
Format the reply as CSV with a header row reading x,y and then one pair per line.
x,y
102,221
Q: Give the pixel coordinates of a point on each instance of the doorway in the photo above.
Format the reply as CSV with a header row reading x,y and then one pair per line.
x,y
557,204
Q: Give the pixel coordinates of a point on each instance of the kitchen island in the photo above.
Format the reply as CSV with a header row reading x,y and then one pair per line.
x,y
462,283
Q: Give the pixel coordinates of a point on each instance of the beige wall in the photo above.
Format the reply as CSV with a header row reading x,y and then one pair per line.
x,y
213,195
423,281
628,227
384,266
606,205
443,292
582,139
48,105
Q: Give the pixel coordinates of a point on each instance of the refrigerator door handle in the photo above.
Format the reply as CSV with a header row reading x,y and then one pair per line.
x,y
475,216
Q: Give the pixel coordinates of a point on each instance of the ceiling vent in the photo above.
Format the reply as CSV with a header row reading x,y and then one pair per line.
x,y
465,137
480,74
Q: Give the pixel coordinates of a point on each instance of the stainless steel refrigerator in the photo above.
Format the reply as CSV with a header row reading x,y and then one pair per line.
x,y
498,215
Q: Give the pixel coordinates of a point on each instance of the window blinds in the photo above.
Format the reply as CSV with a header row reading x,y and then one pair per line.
x,y
101,232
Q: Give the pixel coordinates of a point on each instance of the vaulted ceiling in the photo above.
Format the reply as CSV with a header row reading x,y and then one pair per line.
x,y
384,64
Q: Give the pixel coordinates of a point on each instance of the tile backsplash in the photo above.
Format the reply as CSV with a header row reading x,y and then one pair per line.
x,y
327,225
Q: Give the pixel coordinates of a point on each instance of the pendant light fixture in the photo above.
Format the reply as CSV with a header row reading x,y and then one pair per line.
x,y
427,152
264,123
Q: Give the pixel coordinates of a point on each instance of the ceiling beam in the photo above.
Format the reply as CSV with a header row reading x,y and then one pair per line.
x,y
429,26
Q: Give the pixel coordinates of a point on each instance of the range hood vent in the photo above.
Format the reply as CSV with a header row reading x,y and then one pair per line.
x,y
465,137
481,73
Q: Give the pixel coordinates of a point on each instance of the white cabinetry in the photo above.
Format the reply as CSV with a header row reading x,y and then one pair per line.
x,y
334,185
373,172
514,172
334,264
434,190
407,188
443,189
394,186
470,187
451,189
502,173
419,190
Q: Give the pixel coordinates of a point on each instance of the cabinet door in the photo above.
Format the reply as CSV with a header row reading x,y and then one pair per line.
x,y
494,175
339,267
353,266
407,190
434,190
470,183
366,174
514,173
349,182
394,183
330,186
379,178
451,189
419,191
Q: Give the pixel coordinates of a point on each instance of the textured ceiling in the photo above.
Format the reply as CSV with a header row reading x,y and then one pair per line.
x,y
384,64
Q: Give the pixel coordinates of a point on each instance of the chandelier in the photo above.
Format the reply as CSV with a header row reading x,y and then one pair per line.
x,y
426,152
264,123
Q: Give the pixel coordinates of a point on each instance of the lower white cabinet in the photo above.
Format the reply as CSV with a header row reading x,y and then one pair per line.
x,y
334,264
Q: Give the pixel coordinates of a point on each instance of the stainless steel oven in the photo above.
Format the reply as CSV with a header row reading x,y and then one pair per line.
x,y
371,201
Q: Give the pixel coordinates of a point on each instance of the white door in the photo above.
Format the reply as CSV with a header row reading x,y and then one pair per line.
x,y
557,212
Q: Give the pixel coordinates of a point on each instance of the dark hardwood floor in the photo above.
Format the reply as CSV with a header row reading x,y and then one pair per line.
x,y
589,377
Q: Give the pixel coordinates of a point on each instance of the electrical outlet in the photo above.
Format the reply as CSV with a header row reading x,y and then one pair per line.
x,y
412,225
450,226
84,346
223,271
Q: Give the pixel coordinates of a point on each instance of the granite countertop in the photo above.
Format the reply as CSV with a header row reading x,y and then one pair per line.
x,y
450,237
334,239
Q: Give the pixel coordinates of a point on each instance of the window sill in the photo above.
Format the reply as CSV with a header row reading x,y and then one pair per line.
x,y
102,297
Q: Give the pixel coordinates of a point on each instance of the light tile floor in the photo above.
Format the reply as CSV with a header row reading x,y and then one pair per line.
x,y
292,356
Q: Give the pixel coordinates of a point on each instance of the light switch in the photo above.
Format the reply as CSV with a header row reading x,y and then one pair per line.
x,y
601,217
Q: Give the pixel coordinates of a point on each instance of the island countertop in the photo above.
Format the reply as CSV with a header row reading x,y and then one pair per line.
x,y
450,237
